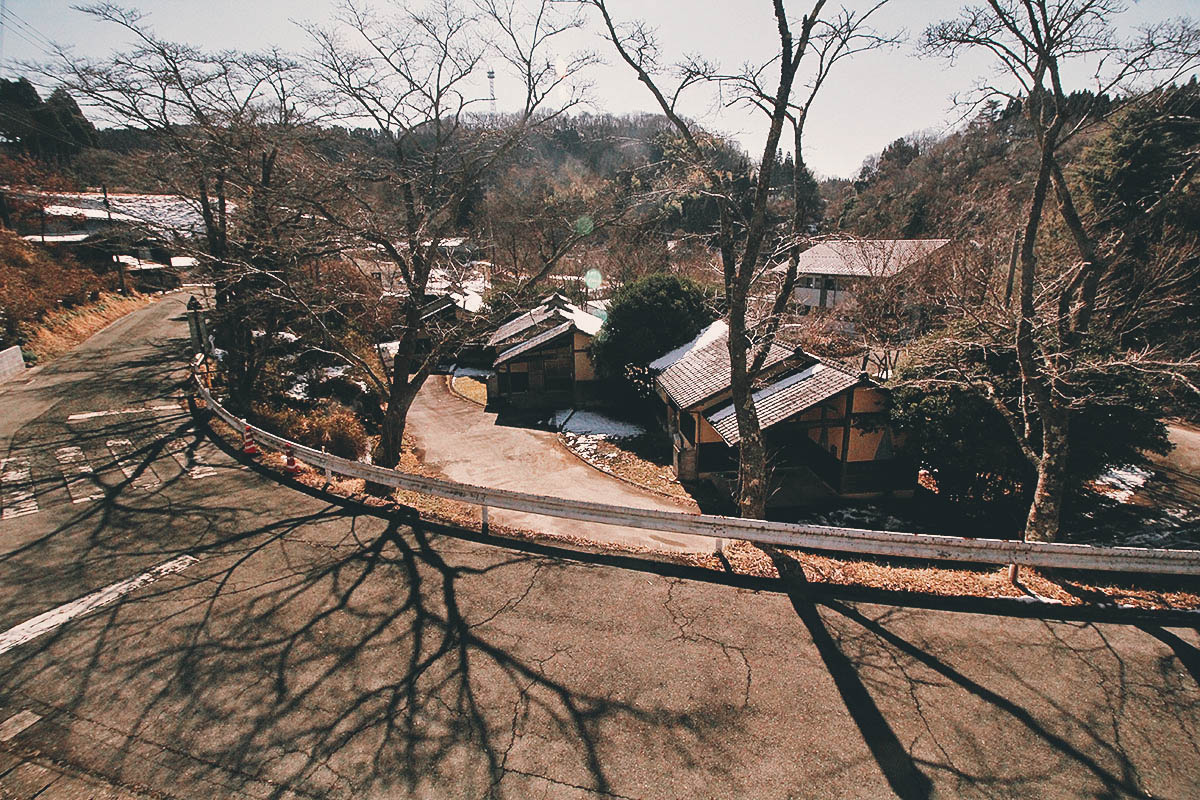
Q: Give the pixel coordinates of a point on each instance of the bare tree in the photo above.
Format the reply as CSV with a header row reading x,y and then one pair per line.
x,y
1057,289
415,77
748,240
230,130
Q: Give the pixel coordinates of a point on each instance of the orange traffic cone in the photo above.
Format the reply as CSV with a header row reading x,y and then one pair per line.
x,y
248,445
292,467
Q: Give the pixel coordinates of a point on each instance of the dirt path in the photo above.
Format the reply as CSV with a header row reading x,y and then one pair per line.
x,y
465,443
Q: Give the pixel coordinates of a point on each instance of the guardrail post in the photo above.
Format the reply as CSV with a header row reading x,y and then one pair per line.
x,y
328,474
484,526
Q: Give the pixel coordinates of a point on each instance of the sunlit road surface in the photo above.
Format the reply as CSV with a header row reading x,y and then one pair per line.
x,y
254,641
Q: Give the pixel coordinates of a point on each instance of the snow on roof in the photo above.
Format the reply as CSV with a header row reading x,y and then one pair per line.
x,y
585,322
167,211
184,261
553,306
87,213
532,344
57,238
710,334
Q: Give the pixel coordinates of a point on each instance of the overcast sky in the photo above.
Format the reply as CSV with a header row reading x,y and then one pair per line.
x,y
870,101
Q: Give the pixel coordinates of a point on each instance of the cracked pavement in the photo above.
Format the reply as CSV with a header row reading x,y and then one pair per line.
x,y
320,651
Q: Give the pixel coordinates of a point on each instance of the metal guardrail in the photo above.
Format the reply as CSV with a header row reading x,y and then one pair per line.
x,y
815,537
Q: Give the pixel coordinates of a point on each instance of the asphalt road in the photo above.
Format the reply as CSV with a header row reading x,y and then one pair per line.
x,y
315,651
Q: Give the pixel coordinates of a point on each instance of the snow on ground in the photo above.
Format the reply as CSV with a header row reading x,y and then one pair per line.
x,y
1121,483
867,517
707,336
584,423
170,212
470,372
299,390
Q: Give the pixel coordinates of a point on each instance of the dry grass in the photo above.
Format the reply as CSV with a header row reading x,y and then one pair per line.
x,y
62,330
744,558
471,389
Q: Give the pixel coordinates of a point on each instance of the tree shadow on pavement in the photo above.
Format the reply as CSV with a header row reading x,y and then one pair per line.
x,y
867,658
362,666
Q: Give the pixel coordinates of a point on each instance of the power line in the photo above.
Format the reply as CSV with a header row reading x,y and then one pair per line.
x,y
9,19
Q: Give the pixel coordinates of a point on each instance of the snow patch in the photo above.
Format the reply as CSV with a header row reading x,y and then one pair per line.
x,y
471,372
592,423
1122,482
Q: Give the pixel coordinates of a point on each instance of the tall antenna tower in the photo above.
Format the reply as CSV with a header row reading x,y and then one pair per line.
x,y
492,89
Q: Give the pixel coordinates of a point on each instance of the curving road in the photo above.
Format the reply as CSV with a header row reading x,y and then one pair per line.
x,y
464,442
196,631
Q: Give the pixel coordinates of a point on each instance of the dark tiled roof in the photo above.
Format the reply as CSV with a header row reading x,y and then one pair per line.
x,y
704,372
866,257
534,343
517,326
786,397
552,309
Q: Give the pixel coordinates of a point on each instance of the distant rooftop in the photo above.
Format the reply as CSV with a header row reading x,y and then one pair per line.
x,y
880,258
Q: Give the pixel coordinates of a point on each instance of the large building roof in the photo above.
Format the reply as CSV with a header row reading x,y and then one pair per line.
x,y
554,309
880,258
532,344
702,372
785,398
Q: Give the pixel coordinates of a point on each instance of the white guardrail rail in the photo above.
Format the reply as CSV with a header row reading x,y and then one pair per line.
x,y
785,534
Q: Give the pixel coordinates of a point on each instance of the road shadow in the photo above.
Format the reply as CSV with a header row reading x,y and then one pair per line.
x,y
867,657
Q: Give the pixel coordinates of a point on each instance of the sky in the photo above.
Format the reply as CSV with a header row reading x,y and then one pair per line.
x,y
868,102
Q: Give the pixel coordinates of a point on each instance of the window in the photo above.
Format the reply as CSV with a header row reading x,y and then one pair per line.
x,y
808,282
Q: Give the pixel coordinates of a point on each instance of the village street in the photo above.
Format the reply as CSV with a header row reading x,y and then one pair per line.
x,y
239,638
463,441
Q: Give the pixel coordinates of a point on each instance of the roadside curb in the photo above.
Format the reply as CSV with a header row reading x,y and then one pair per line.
x,y
558,438
460,395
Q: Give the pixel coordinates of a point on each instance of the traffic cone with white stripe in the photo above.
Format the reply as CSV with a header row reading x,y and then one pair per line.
x,y
248,445
291,467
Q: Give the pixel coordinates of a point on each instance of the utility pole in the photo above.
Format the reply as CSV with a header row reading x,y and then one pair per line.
x,y
491,90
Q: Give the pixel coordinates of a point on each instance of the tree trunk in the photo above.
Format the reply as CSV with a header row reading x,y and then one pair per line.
x,y
752,475
752,454
1045,513
395,419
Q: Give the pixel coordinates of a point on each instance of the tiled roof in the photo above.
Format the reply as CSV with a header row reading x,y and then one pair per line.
x,y
704,372
785,398
865,257
533,344
553,307
517,326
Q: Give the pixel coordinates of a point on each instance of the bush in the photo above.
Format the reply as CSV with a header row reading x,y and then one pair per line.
x,y
332,426
646,319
